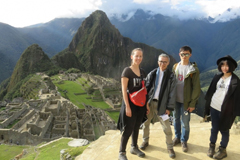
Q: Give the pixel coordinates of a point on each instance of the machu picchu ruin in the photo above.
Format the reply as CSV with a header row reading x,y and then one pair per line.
x,y
51,116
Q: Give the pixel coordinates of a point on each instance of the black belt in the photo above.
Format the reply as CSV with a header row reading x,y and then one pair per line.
x,y
155,100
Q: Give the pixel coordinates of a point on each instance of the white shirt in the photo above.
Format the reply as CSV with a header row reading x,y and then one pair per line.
x,y
221,91
160,77
182,72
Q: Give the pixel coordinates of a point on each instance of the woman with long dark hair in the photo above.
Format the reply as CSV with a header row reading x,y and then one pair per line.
x,y
222,103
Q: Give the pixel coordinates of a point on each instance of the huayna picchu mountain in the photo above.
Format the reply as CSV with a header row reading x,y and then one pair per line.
x,y
101,49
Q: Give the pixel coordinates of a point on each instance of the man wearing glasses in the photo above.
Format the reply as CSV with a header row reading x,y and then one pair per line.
x,y
187,93
160,84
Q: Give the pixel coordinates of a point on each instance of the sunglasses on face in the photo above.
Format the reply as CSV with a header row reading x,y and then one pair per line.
x,y
184,54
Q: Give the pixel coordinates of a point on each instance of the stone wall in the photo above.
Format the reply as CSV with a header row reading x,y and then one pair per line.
x,y
12,136
44,91
34,129
24,119
53,106
13,117
36,104
109,101
59,129
47,124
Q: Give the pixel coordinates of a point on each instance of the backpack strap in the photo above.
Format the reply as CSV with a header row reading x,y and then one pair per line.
x,y
174,66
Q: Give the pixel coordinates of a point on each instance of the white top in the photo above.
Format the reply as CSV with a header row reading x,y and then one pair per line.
x,y
182,72
221,91
160,77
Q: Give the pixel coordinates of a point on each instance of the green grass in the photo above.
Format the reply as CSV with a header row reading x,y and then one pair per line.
x,y
10,151
114,115
237,119
31,154
76,150
31,87
13,123
55,78
52,151
48,152
97,131
73,87
83,81
2,109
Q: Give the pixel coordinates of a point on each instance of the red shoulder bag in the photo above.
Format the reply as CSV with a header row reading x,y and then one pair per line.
x,y
139,97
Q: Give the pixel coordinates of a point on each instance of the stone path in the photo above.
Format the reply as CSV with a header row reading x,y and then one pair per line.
x,y
107,146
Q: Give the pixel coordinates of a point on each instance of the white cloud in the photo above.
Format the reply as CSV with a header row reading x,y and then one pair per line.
x,y
228,15
183,8
218,9
27,12
143,1
215,7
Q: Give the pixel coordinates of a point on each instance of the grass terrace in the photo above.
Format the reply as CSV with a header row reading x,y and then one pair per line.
x,y
48,152
76,93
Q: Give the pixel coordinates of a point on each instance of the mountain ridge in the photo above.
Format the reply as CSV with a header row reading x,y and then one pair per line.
x,y
101,49
208,41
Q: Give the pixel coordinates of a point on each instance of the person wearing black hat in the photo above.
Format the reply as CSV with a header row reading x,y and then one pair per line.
x,y
222,104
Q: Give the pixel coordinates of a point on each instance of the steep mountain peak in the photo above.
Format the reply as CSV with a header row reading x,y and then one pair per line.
x,y
92,27
102,50
32,60
95,43
141,14
33,54
98,17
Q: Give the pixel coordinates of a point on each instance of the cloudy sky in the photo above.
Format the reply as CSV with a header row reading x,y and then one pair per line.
x,y
21,13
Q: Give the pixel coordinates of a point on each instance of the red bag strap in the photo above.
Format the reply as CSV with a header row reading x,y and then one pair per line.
x,y
143,84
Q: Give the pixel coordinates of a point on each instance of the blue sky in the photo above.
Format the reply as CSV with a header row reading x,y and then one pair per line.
x,y
21,13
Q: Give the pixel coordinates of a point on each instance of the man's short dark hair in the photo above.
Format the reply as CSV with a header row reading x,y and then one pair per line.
x,y
231,66
185,48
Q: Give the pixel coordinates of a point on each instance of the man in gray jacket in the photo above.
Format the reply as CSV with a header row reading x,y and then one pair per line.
x,y
160,84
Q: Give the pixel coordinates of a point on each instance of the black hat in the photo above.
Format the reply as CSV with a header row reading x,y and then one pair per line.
x,y
227,57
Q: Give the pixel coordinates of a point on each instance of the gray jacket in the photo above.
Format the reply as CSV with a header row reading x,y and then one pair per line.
x,y
167,95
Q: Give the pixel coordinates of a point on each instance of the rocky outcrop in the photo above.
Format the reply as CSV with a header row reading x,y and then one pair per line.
x,y
107,146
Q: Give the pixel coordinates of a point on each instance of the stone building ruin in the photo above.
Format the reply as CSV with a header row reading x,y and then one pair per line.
x,y
50,117
35,121
110,89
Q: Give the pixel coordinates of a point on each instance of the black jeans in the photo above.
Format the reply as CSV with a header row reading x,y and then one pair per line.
x,y
215,117
132,126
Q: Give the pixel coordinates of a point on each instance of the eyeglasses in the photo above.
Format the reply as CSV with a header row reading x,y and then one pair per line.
x,y
164,62
184,54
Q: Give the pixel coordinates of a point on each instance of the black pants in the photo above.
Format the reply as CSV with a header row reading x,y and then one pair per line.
x,y
132,125
215,118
